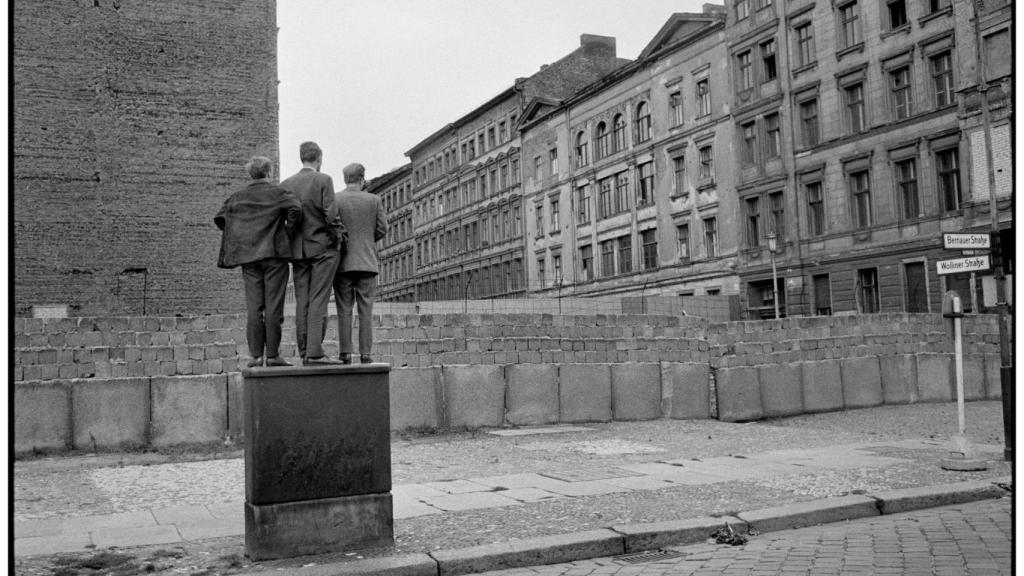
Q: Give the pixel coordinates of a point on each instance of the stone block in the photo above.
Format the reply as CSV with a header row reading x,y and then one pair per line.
x,y
316,432
739,394
899,378
106,412
532,394
801,514
554,549
236,407
935,381
42,416
636,391
188,409
862,382
640,537
993,384
290,529
823,386
414,398
781,390
404,565
474,395
917,498
974,377
585,392
688,384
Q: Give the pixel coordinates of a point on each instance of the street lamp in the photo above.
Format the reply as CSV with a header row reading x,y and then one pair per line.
x,y
772,246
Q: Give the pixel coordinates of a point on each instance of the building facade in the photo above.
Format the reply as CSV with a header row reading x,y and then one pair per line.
x,y
132,123
804,157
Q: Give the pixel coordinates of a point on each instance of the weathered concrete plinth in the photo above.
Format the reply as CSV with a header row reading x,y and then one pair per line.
x,y
317,460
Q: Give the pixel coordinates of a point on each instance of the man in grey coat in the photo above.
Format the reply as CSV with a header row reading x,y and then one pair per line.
x,y
363,215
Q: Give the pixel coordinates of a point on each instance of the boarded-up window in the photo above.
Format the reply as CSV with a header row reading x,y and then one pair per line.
x,y
998,55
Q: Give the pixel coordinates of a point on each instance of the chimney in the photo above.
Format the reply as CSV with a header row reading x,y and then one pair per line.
x,y
714,9
595,41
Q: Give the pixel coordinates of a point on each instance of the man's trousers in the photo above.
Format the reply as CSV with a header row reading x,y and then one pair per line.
x,y
265,283
313,280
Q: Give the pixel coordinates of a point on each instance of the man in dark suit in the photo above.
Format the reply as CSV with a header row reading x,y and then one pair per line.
x,y
256,222
363,215
314,252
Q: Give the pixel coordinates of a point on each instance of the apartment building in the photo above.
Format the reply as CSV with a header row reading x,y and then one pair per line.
x,y
398,254
850,132
626,183
466,202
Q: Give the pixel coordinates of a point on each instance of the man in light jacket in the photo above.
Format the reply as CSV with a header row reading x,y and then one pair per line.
x,y
363,215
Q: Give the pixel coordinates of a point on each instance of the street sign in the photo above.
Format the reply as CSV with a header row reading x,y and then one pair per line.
x,y
961,265
952,241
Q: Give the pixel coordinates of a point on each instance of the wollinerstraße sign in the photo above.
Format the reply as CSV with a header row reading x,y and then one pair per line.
x,y
955,241
961,265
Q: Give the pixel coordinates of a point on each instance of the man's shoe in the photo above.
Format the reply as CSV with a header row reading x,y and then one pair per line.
x,y
256,362
345,357
365,359
277,361
323,360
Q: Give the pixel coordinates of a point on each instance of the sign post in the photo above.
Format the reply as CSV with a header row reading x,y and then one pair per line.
x,y
952,310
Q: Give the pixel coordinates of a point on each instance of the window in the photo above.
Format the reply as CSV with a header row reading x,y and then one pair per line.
x,y
942,79
625,254
849,26
916,287
746,70
503,177
822,295
502,131
553,161
679,167
601,138
554,215
539,212
707,163
645,184
815,209
517,223
515,171
753,214
711,237
583,205
778,221
538,169
675,103
586,263
643,122
494,181
899,84
608,258
809,132
542,278
805,53
768,61
604,198
906,186
480,142
948,167
749,143
621,192
897,10
867,290
649,239
854,95
771,130
703,98
556,265
742,9
683,241
860,192
938,5
581,149
618,133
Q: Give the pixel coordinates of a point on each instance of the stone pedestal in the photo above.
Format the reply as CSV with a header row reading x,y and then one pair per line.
x,y
317,460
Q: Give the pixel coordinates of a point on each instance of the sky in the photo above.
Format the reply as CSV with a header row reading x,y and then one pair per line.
x,y
370,79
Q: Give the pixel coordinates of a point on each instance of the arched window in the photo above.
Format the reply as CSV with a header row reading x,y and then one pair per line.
x,y
642,129
581,149
601,137
619,137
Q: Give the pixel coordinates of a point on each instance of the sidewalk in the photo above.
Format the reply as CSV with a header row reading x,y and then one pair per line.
x,y
457,492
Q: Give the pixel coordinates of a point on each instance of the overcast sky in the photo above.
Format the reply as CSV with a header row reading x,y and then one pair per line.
x,y
370,79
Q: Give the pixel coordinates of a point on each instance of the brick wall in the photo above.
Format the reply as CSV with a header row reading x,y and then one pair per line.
x,y
132,124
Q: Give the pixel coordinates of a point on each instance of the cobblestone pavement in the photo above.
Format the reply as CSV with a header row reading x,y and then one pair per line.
x,y
972,539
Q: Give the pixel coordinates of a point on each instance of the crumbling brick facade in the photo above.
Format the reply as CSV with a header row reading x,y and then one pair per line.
x,y
132,123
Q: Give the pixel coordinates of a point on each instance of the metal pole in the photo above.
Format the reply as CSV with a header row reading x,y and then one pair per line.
x,y
775,286
1005,363
958,344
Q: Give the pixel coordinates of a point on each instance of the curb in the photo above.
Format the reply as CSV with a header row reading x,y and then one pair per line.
x,y
630,538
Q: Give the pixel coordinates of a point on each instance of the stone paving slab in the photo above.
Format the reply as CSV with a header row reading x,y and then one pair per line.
x,y
78,541
456,487
529,494
228,510
135,536
138,519
586,488
213,528
43,527
416,491
407,508
179,514
535,431
529,552
470,501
